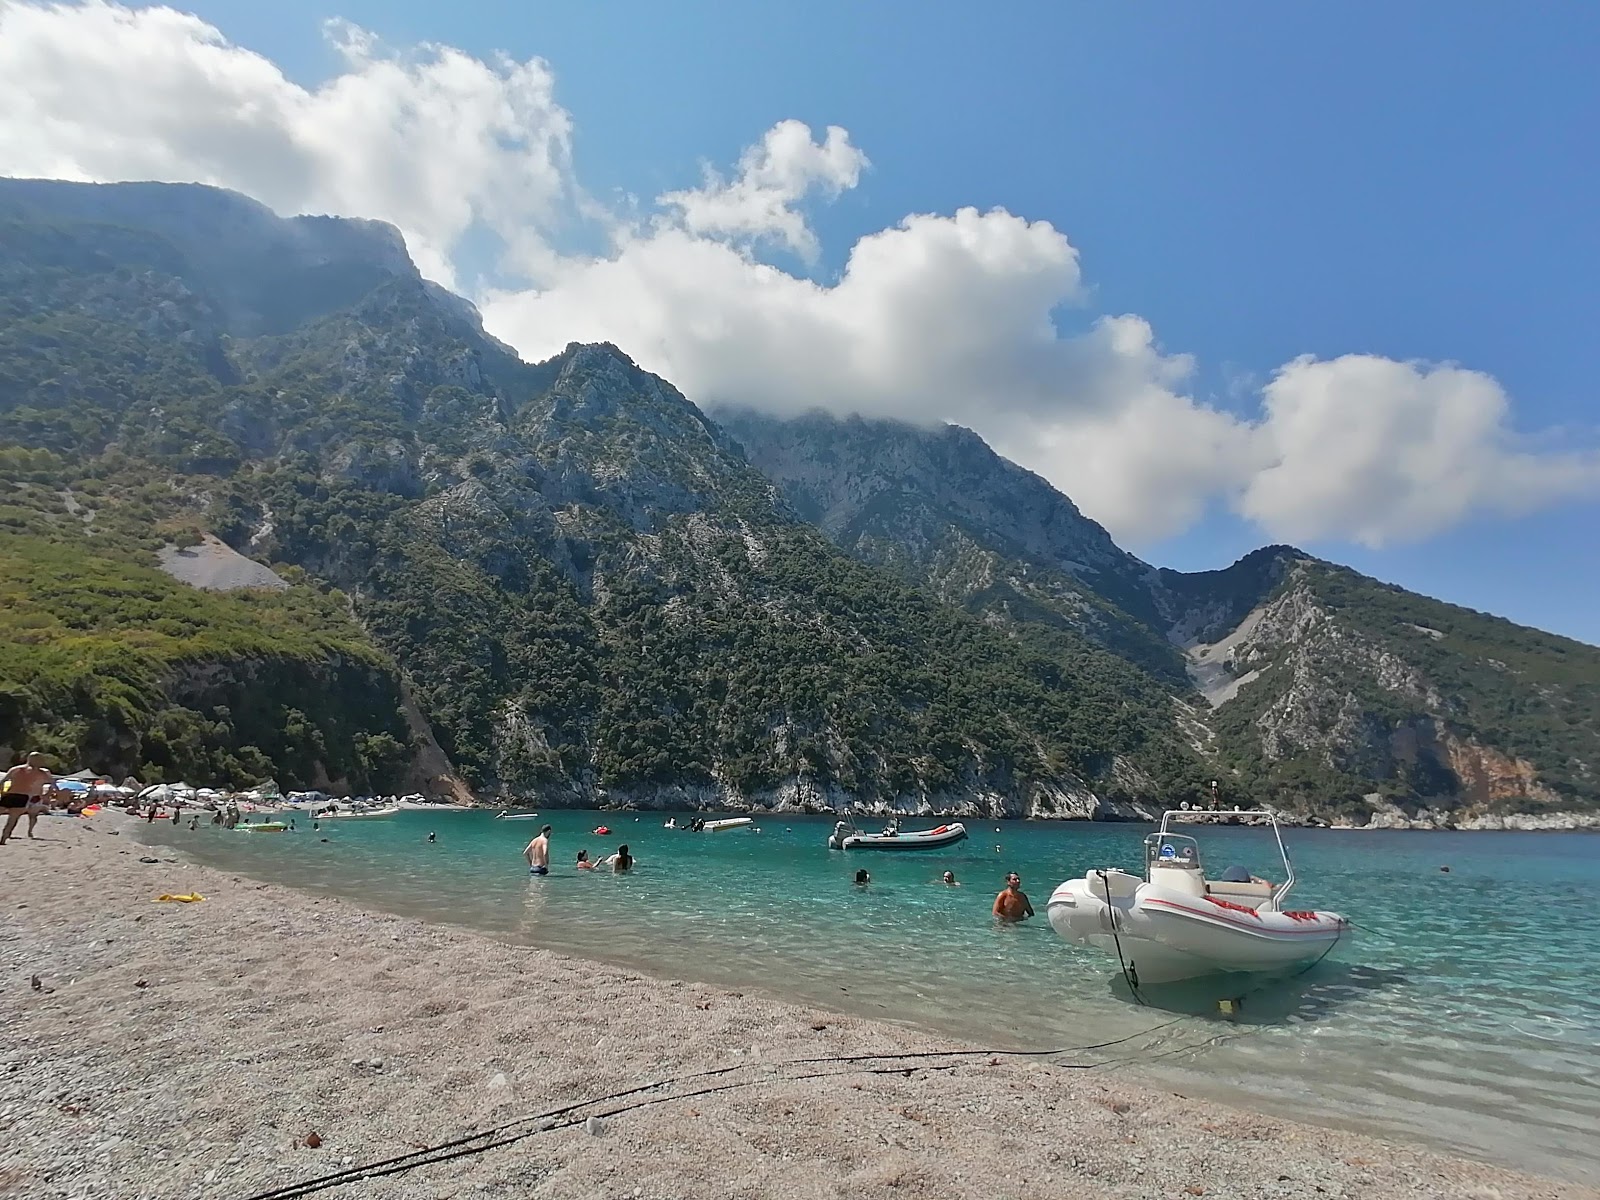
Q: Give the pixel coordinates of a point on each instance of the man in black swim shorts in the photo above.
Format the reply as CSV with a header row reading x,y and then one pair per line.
x,y
23,790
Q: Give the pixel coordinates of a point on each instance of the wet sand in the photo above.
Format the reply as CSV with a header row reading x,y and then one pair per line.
x,y
175,1050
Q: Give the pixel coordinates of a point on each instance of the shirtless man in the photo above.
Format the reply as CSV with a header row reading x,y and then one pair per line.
x,y
23,793
537,853
1012,905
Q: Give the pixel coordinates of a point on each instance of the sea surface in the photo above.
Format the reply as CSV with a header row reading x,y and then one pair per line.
x,y
1463,1013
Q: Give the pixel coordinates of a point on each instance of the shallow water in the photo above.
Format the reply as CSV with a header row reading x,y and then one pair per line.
x,y
1463,1014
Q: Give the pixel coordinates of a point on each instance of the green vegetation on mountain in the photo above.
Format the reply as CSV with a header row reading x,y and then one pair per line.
x,y
108,661
1313,688
1422,702
585,583
590,589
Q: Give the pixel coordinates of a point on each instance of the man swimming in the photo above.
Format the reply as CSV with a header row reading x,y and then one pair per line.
x,y
1012,904
537,852
950,879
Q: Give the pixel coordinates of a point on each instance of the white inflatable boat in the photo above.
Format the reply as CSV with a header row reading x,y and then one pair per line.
x,y
846,838
1177,924
727,823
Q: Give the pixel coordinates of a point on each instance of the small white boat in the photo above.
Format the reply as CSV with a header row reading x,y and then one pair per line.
x,y
1176,924
726,823
846,838
359,814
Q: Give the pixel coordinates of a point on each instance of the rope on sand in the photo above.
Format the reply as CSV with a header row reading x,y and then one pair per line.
x,y
565,1116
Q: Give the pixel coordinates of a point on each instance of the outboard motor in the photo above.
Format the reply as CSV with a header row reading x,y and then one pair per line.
x,y
836,838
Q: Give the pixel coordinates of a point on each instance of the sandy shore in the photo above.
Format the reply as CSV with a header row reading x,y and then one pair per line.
x,y
177,1050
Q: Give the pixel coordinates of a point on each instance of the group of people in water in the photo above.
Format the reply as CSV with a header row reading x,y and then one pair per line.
x,y
537,854
1011,906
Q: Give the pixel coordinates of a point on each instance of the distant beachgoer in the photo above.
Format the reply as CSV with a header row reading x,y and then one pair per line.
x,y
216,817
432,836
177,815
291,823
22,793
583,861
950,879
1012,904
621,861
862,878
537,852
194,823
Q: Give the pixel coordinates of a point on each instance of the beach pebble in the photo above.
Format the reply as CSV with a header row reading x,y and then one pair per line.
x,y
594,1126
499,1082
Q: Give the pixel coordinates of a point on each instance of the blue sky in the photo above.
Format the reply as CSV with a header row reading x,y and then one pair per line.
x,y
1410,182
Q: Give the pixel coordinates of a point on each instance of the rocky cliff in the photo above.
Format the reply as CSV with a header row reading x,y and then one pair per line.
x,y
1298,682
564,581
588,590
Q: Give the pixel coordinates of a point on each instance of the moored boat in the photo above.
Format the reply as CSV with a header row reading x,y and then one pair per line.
x,y
354,814
1175,923
726,823
846,838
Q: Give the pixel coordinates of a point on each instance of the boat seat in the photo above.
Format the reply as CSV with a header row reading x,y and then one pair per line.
x,y
1252,894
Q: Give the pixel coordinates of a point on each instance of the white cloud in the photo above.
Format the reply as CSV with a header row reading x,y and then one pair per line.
x,y
937,318
433,141
1379,451
759,203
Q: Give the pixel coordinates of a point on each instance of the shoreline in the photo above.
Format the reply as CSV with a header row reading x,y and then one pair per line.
x,y
185,1049
1563,822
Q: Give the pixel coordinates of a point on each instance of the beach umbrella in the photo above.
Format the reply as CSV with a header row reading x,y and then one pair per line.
x,y
160,792
72,785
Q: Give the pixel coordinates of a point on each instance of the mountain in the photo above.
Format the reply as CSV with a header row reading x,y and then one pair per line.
x,y
1302,683
558,580
274,505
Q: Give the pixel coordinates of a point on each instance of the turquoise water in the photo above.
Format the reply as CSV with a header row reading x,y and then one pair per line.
x,y
1465,1018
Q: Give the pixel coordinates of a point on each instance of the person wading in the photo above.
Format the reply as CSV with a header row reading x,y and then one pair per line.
x,y
22,792
1012,904
537,853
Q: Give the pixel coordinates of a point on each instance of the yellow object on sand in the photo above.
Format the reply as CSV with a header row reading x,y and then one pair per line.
x,y
190,898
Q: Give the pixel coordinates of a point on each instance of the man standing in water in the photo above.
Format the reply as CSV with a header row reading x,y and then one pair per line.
x,y
23,792
1012,904
537,853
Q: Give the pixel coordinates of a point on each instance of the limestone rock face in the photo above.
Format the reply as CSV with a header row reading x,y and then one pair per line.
x,y
590,591
1300,683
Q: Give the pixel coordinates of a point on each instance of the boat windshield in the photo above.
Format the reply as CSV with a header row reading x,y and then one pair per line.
x,y
1171,850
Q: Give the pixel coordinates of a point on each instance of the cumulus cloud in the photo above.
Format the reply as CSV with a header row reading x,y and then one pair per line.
x,y
940,317
1380,451
434,140
759,203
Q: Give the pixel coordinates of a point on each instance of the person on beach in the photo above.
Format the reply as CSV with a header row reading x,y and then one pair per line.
x,y
583,861
432,837
22,794
1012,905
537,852
950,879
862,878
621,861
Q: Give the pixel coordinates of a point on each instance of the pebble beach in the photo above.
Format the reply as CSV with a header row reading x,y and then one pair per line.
x,y
261,1038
